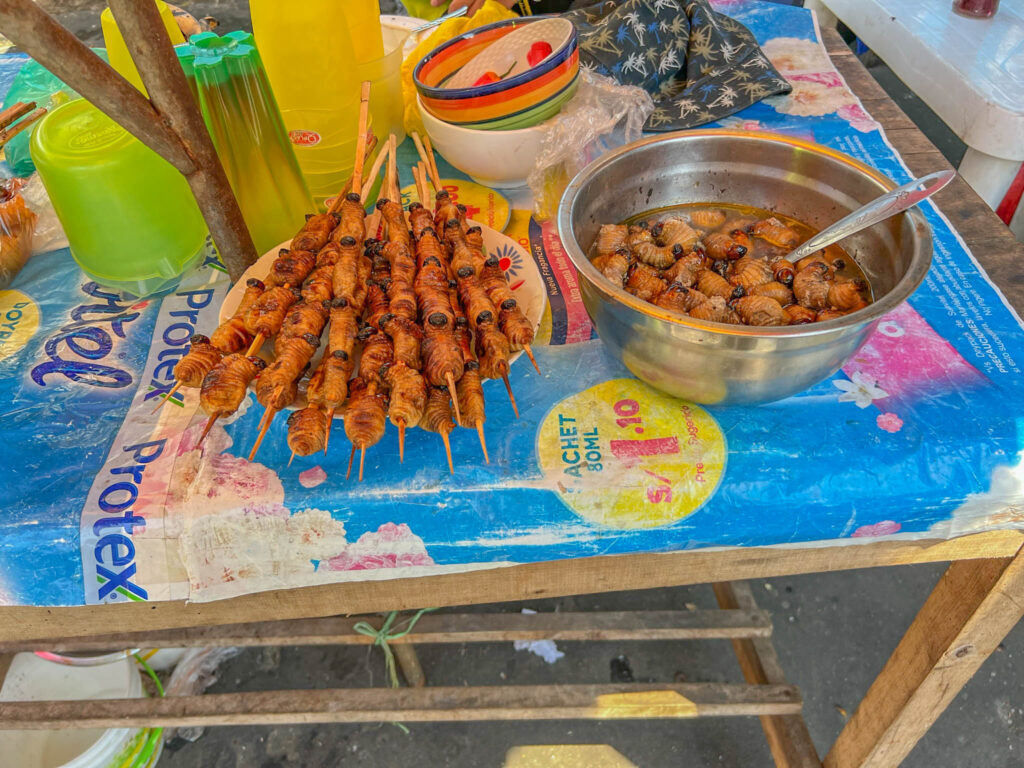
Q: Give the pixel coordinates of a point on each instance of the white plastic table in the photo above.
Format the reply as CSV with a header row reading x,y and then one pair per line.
x,y
969,71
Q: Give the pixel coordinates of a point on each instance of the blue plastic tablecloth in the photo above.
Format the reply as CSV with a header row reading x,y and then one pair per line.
x,y
918,435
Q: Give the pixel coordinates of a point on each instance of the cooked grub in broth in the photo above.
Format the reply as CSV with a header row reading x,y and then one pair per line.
x,y
725,263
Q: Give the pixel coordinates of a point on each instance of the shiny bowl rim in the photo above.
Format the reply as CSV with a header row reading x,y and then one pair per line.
x,y
900,292
552,61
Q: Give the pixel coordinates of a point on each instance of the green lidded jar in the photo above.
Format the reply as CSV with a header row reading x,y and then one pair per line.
x,y
241,114
129,216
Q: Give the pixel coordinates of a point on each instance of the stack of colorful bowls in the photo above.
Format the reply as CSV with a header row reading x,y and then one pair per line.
x,y
484,95
504,76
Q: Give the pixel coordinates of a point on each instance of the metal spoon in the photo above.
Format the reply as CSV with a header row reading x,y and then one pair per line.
x,y
441,20
879,209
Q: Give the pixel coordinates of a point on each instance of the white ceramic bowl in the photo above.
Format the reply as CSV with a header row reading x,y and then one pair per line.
x,y
501,159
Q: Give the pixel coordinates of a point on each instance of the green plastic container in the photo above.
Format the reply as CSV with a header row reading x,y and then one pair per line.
x,y
129,216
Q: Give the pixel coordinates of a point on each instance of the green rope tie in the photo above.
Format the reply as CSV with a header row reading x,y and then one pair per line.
x,y
385,634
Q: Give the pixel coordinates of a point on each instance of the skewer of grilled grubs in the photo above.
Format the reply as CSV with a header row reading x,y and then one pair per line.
x,y
225,386
231,336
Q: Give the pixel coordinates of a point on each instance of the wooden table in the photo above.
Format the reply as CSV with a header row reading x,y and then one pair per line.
x,y
975,604
980,97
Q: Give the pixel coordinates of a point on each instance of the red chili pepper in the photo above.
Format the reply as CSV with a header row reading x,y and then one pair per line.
x,y
538,52
487,77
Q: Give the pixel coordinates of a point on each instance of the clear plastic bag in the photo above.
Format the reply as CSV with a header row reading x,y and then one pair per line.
x,y
35,83
601,116
17,226
49,234
197,671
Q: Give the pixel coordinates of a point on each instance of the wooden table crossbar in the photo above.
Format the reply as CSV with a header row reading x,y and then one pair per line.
x,y
765,694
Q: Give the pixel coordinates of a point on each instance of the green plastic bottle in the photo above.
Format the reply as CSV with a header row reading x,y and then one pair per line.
x,y
129,216
243,119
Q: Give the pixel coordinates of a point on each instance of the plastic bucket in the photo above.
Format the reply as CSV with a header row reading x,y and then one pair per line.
x,y
32,679
129,216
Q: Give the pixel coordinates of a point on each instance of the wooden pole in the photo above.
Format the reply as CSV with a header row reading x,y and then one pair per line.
x,y
168,122
144,34
972,608
787,735
36,32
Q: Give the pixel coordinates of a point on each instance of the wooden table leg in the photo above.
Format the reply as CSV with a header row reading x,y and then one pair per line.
x,y
787,735
5,664
972,608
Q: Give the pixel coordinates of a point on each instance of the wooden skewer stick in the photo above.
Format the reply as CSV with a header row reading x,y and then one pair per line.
x,y
529,354
327,435
9,133
448,452
511,397
291,459
167,397
401,441
350,457
364,115
432,173
372,223
256,344
431,161
377,164
15,111
362,148
483,442
268,417
417,182
337,199
427,200
417,175
207,428
455,399
421,151
393,190
362,458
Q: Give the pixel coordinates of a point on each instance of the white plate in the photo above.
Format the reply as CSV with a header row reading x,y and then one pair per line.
x,y
523,276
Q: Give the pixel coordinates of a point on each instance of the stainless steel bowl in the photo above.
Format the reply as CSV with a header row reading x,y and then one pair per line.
x,y
716,363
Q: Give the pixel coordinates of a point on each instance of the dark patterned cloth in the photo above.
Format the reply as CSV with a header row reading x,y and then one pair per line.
x,y
699,65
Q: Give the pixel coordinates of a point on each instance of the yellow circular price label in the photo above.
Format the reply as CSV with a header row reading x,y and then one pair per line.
x,y
19,319
622,454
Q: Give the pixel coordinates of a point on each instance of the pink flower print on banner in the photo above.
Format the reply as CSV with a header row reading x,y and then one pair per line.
x,y
884,528
742,124
890,422
827,79
855,115
906,358
392,546
311,478
818,90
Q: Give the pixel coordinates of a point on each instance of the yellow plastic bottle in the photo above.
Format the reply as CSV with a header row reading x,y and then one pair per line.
x,y
117,51
311,51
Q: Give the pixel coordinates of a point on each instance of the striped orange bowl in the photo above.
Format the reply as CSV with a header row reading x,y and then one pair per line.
x,y
493,101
